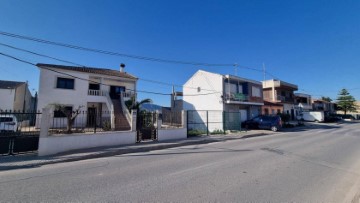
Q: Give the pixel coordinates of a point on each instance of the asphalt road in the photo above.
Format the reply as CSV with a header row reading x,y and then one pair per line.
x,y
314,165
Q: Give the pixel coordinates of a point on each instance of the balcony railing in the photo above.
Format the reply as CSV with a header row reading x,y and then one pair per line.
x,y
128,94
304,106
239,97
284,99
236,97
96,93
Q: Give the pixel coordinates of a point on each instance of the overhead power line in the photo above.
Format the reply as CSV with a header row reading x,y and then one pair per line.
x,y
42,55
126,55
84,79
110,52
77,64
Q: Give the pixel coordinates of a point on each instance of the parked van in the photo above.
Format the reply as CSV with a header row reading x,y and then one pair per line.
x,y
315,116
8,123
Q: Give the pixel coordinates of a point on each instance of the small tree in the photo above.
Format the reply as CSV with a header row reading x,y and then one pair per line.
x,y
327,99
70,115
346,102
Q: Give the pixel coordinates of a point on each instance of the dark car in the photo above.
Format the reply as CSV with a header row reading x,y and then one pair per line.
x,y
264,122
348,117
332,118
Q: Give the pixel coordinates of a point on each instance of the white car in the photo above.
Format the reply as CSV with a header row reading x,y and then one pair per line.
x,y
8,122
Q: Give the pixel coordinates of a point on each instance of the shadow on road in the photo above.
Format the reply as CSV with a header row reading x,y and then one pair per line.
x,y
311,126
222,150
307,127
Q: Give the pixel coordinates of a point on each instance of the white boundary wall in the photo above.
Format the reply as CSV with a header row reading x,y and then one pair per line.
x,y
172,134
61,143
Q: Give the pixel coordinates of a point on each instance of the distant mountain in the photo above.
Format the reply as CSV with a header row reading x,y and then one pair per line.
x,y
151,107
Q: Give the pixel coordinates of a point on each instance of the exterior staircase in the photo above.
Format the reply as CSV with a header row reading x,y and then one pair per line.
x,y
121,123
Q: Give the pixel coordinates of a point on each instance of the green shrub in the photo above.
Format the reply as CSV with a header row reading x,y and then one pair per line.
x,y
196,132
217,131
106,126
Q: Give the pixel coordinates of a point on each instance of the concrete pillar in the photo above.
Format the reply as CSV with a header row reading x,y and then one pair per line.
x,y
273,94
184,118
159,121
45,122
133,120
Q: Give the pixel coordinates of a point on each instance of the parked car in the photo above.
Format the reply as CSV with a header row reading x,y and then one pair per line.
x,y
8,123
348,117
332,118
273,123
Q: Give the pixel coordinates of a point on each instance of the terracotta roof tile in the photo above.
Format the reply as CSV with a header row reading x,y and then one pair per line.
x,y
100,71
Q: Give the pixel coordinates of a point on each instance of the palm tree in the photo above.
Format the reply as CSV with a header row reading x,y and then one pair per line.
x,y
132,104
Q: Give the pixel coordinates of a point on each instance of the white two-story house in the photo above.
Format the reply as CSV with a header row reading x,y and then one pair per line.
x,y
100,92
226,93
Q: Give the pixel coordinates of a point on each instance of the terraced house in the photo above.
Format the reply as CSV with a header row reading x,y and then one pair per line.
x,y
237,99
101,94
280,92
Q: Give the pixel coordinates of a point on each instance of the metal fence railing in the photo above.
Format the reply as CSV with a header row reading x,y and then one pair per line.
x,y
87,122
18,132
212,122
19,123
171,119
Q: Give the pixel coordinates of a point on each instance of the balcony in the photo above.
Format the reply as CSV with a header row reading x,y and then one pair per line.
x,y
239,98
304,106
280,98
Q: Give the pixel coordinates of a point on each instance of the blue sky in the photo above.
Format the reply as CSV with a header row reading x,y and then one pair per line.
x,y
314,44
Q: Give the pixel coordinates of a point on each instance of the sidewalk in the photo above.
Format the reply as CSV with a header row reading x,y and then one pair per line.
x,y
33,161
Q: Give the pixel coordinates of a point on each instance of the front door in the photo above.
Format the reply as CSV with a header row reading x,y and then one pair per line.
x,y
91,117
115,91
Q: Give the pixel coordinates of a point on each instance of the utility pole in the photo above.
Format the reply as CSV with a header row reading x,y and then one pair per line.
x,y
236,68
264,71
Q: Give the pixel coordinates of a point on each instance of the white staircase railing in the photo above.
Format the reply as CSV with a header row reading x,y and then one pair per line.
x,y
111,108
124,109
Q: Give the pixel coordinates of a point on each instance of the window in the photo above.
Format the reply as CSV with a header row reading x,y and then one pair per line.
x,y
65,83
60,114
256,92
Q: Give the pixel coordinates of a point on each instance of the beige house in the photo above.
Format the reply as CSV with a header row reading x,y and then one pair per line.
x,y
321,105
15,96
280,92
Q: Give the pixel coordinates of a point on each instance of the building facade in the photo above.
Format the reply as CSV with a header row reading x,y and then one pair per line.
x,y
94,90
206,91
15,96
280,92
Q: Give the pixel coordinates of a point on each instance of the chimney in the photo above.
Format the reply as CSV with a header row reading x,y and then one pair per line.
x,y
122,66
